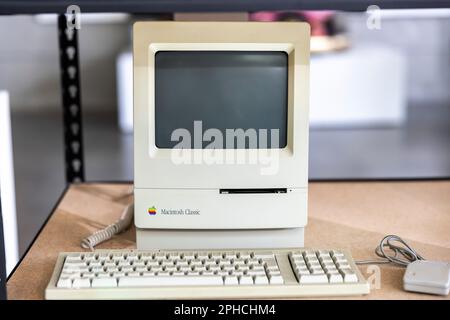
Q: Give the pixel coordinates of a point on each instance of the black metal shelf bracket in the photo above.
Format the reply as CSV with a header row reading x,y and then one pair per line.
x,y
71,99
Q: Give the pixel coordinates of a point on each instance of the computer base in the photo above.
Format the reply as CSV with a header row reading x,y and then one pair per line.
x,y
150,239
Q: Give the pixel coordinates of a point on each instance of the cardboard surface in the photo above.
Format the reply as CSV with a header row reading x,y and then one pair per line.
x,y
350,215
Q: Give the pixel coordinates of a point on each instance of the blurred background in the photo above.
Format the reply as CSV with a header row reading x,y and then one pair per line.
x,y
380,99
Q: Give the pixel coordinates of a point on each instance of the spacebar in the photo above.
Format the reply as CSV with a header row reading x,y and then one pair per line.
x,y
170,281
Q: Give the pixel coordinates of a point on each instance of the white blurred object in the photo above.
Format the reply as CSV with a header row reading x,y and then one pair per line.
x,y
415,13
125,91
7,189
362,86
87,18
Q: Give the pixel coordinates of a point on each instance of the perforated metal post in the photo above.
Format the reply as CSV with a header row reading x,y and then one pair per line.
x,y
71,100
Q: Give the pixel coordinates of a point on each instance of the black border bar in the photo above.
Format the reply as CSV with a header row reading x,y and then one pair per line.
x,y
166,6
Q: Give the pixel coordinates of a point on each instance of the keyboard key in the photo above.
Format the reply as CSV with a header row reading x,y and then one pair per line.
x,y
102,256
326,260
214,268
173,255
64,282
237,273
138,264
314,265
188,255
343,265
216,255
273,274
109,264
71,275
257,268
316,271
81,283
328,264
335,277
302,270
260,279
231,280
323,253
252,261
127,269
313,279
123,263
246,280
141,269
78,269
336,253
74,265
103,275
209,261
229,254
159,269
118,257
118,274
104,282
245,255
296,255
239,262
224,262
349,275
309,254
276,279
271,264
99,269
263,255
170,281
74,258
205,271
332,269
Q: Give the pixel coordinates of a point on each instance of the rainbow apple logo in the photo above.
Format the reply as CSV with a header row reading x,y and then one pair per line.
x,y
152,211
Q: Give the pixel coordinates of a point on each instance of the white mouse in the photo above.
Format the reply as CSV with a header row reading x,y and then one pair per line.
x,y
427,277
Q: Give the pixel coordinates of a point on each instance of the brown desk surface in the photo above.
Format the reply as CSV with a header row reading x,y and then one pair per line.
x,y
353,215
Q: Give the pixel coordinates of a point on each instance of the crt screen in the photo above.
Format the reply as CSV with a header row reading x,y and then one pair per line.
x,y
224,90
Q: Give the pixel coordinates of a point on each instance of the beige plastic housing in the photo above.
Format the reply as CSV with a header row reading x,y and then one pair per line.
x,y
163,184
290,288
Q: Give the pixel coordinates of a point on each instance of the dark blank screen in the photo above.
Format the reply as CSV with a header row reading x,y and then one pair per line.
x,y
223,89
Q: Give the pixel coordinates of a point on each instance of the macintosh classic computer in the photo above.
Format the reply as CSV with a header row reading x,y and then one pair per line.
x,y
220,134
220,183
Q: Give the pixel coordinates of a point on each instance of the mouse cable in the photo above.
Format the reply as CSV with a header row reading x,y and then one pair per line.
x,y
403,254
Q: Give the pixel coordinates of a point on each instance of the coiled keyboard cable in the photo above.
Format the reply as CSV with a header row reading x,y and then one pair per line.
x,y
107,233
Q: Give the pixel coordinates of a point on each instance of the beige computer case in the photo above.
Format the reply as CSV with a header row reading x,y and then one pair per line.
x,y
276,219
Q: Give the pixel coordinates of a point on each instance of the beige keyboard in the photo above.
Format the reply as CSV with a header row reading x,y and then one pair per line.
x,y
273,273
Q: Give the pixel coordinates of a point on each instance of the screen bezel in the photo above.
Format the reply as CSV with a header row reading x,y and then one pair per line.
x,y
284,107
153,167
154,48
